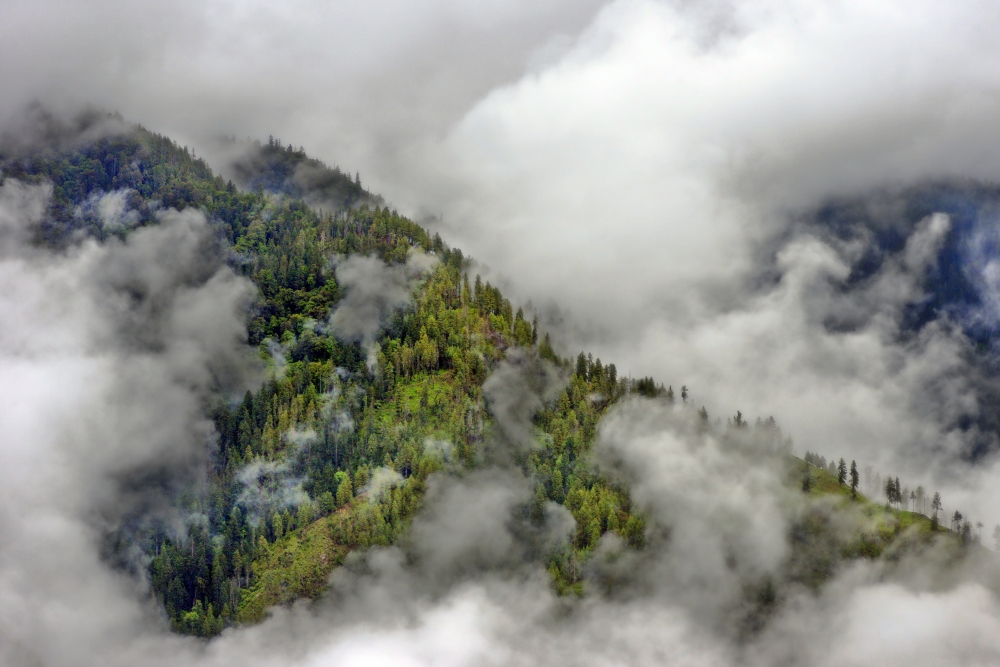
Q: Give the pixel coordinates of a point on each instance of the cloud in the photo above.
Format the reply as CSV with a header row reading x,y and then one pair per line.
x,y
652,170
654,190
305,71
111,353
718,498
940,629
516,390
373,290
383,480
111,209
269,486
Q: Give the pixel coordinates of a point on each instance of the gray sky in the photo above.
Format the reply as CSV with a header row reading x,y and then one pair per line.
x,y
630,167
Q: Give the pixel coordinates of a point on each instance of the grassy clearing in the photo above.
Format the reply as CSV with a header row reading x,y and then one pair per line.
x,y
298,565
881,526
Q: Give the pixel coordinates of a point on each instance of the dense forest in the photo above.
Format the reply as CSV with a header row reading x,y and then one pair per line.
x,y
333,452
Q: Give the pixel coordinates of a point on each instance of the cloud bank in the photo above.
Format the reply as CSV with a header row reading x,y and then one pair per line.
x,y
110,353
655,190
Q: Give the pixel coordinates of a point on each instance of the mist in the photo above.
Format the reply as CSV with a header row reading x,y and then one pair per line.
x,y
373,291
647,175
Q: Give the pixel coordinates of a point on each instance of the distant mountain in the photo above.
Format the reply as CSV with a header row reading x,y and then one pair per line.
x,y
964,283
961,286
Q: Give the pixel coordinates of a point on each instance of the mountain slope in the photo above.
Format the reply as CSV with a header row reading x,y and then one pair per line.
x,y
335,450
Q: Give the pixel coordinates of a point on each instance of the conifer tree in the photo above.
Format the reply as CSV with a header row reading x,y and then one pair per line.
x,y
277,526
345,492
855,479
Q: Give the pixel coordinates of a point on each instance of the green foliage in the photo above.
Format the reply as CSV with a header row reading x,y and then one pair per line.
x,y
420,410
883,532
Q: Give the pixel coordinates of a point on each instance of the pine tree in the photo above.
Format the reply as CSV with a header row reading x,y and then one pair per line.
x,y
345,492
277,526
855,479
841,472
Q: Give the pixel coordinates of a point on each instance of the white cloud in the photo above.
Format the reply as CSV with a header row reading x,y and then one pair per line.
x,y
647,184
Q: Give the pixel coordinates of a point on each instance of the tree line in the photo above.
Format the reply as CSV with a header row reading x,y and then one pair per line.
x,y
899,497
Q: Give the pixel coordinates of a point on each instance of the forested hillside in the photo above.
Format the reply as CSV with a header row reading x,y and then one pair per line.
x,y
334,451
